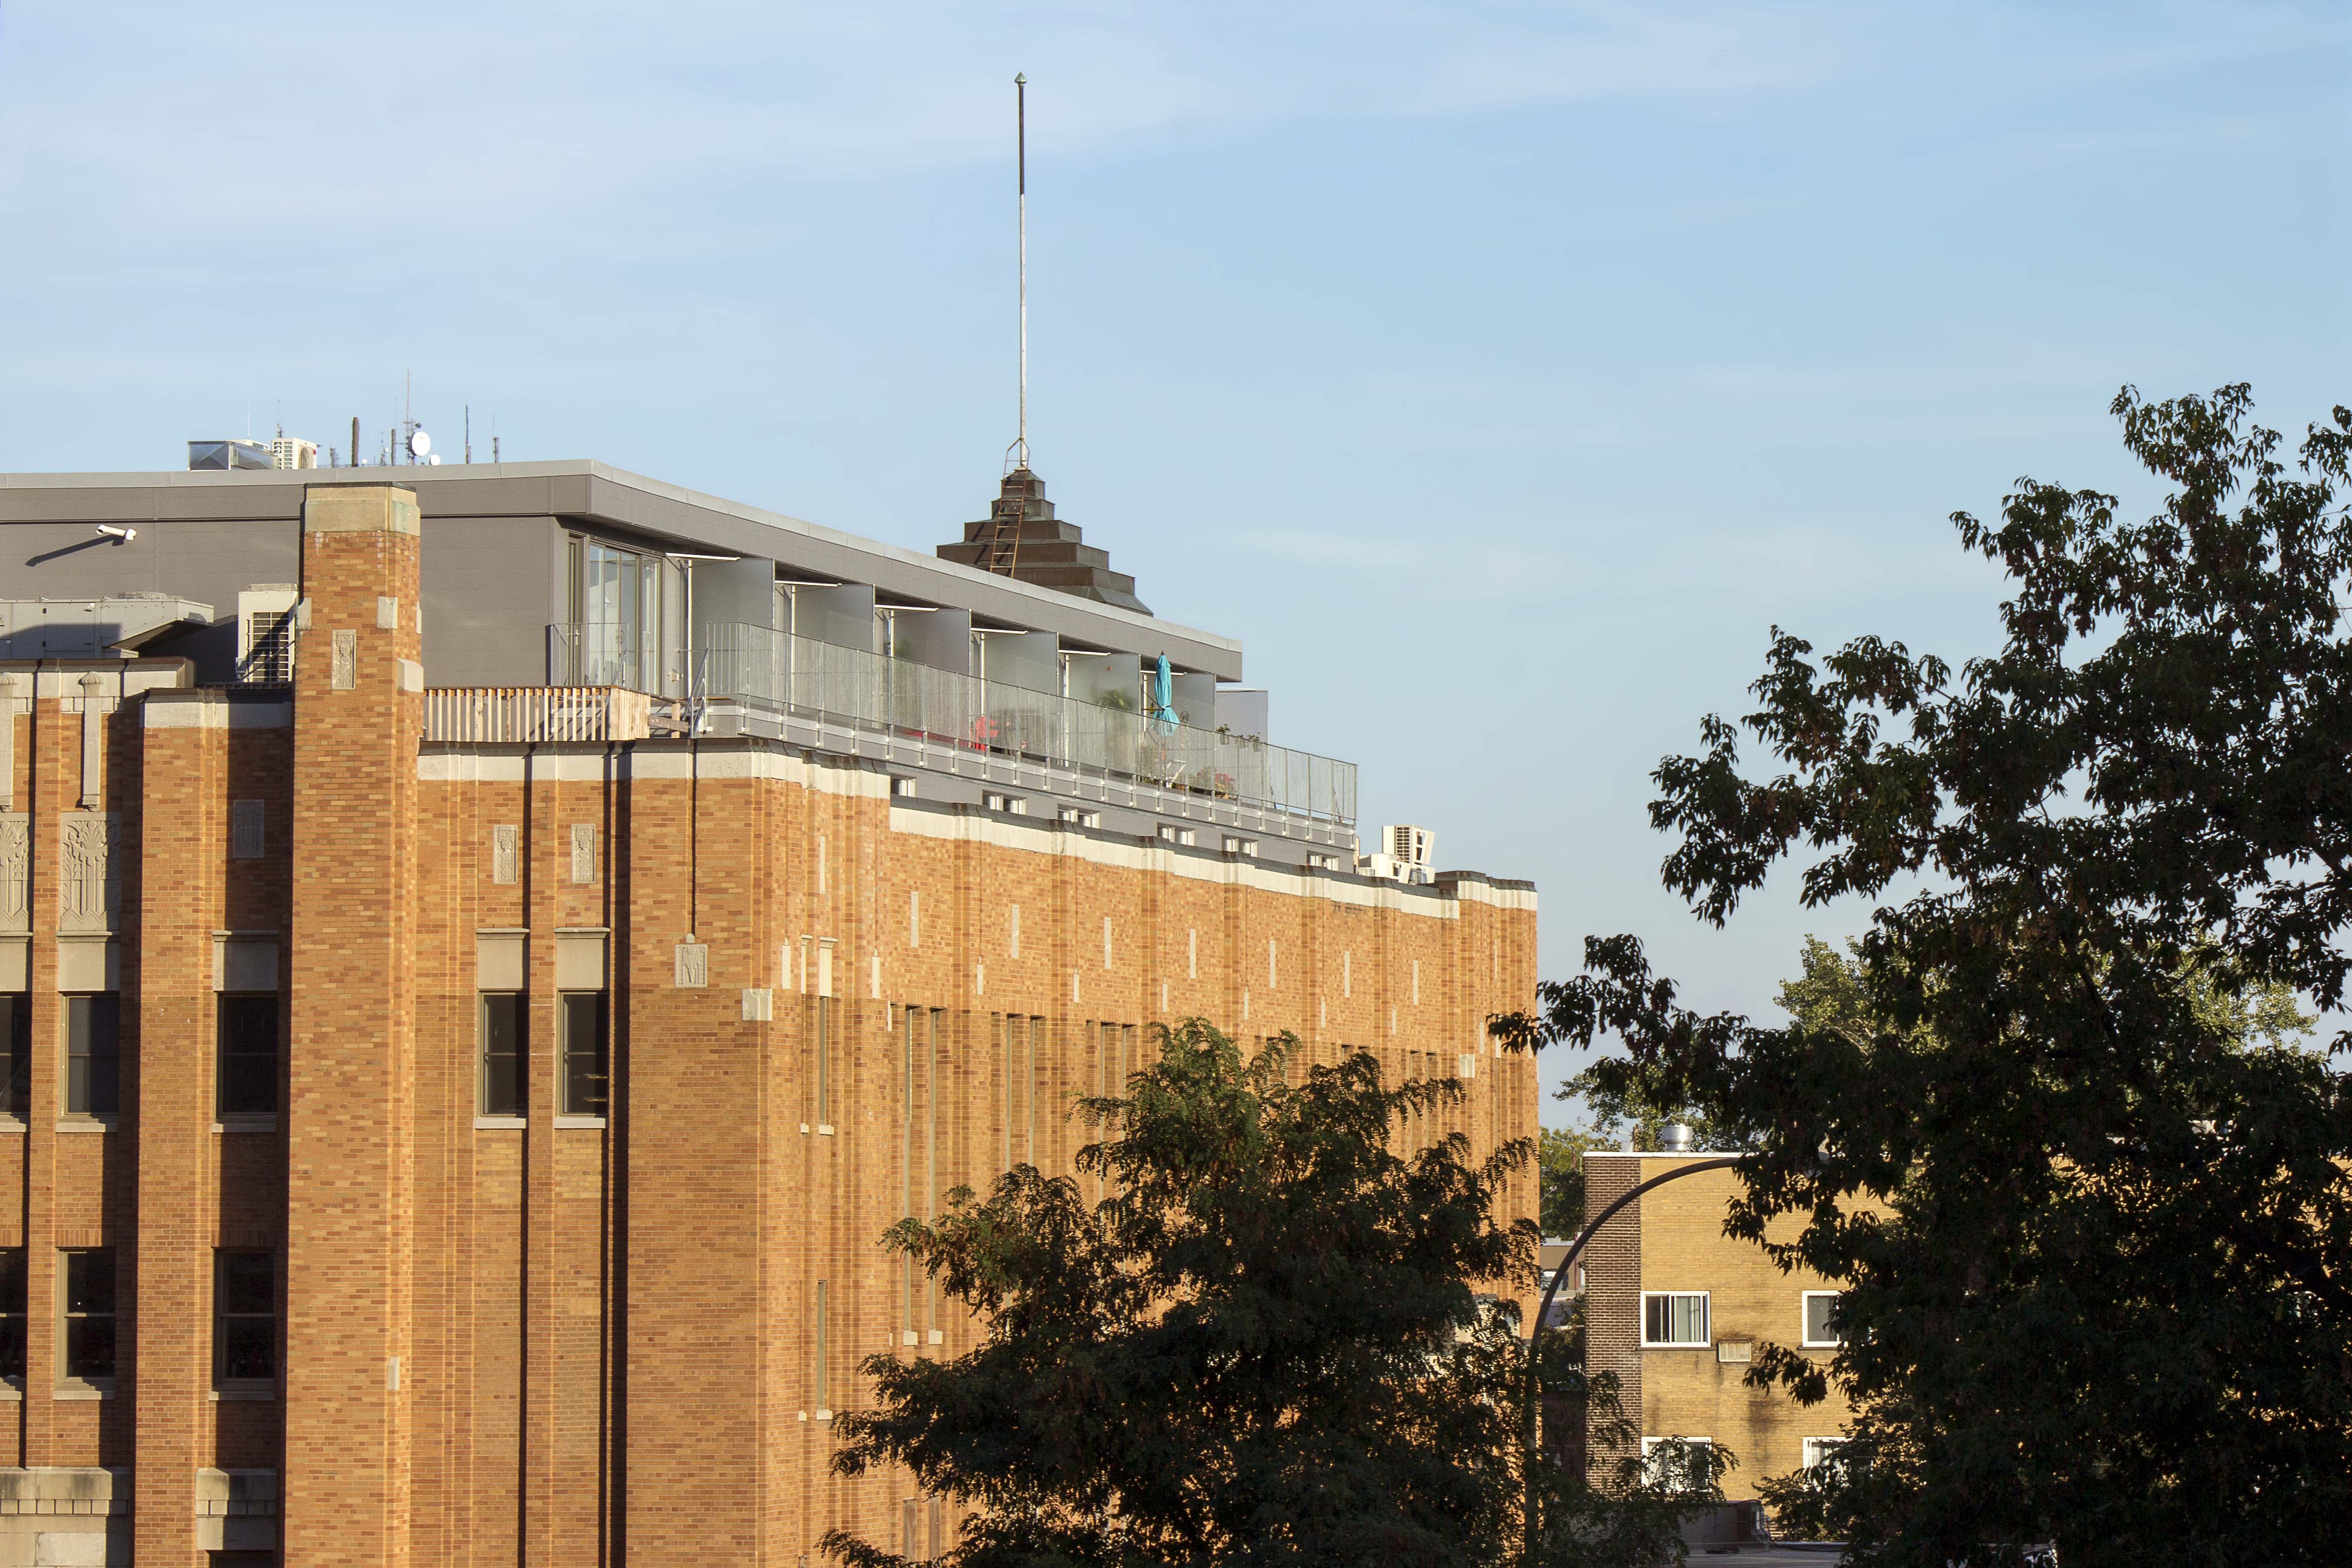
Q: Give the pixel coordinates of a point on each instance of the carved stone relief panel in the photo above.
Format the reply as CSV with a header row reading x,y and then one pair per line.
x,y
583,853
505,841
15,872
343,673
90,881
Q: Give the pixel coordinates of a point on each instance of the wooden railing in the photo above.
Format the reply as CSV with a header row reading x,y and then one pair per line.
x,y
533,715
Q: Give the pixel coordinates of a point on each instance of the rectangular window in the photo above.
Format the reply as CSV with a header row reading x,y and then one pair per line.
x,y
1820,1451
824,1060
587,1048
87,1284
12,1313
910,1098
1821,1320
1673,1319
93,1035
1040,1065
1680,1464
934,1050
907,1098
816,1363
502,1053
1013,1084
244,1317
246,1068
16,1039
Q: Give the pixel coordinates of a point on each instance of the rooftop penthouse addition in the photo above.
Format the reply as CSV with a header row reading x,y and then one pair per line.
x,y
573,602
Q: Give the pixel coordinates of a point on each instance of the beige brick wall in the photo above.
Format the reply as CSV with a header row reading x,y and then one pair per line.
x,y
1676,1244
605,1334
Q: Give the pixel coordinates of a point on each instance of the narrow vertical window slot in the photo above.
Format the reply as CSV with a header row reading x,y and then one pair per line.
x,y
502,1053
93,1046
824,1060
85,1286
245,1070
587,1052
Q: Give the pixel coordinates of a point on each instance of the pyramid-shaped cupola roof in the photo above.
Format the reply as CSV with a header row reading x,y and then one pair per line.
x,y
1022,538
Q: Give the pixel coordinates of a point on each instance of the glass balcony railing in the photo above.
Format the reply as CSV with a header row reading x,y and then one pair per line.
x,y
774,671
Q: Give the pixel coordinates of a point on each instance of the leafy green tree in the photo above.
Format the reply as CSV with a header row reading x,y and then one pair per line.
x,y
1265,1345
1623,1117
1560,1159
2049,1126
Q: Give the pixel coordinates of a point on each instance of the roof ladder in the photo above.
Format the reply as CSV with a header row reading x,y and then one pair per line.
x,y
999,546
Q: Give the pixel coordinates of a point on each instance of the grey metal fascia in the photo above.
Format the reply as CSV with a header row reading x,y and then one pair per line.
x,y
593,490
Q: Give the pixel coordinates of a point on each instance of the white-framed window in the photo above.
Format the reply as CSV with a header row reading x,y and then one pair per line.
x,y
1820,1451
1688,1465
1674,1319
1820,1321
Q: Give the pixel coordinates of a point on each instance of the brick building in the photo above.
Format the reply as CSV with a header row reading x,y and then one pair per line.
x,y
1675,1309
486,951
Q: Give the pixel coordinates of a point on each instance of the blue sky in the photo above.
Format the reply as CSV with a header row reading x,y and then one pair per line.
x,y
1500,374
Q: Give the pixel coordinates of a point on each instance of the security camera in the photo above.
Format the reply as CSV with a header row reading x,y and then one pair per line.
x,y
121,536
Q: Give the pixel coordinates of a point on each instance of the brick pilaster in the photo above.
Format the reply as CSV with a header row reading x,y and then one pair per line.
x,y
1612,1300
350,1082
180,846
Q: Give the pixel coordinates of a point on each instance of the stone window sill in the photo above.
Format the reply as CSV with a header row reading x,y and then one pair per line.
x,y
12,1390
499,1123
86,1123
11,1123
579,1122
88,1388
247,1388
246,1122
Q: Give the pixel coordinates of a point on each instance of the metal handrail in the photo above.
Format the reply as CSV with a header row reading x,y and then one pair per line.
x,y
761,668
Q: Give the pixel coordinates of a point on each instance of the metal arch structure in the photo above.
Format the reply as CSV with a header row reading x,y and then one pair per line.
x,y
1543,1320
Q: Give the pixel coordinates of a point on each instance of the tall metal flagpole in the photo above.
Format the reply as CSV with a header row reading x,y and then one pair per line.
x,y
1020,123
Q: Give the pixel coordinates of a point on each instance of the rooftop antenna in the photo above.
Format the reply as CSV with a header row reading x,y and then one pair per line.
x,y
999,538
1021,144
470,433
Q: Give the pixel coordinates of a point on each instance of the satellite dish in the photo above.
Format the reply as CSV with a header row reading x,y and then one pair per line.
x,y
419,444
434,460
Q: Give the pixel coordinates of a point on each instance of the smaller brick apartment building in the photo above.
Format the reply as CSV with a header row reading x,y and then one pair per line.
x,y
1676,1308
485,951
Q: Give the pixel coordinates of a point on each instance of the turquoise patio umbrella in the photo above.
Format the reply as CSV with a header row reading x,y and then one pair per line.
x,y
1163,692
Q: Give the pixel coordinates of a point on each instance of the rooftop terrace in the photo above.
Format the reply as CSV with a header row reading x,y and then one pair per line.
x,y
573,601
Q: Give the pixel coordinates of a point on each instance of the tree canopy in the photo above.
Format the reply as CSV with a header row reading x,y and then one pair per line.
x,y
1560,1160
1266,1343
2084,1189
